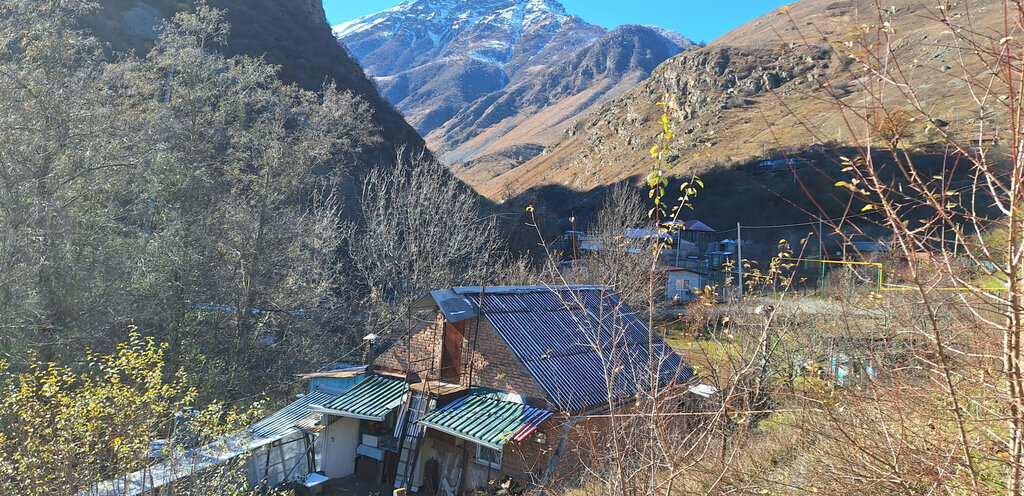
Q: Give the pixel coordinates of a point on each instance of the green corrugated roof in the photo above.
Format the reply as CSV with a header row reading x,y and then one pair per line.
x,y
488,417
282,422
373,398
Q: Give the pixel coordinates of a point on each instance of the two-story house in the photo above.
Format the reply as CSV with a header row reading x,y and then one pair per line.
x,y
494,381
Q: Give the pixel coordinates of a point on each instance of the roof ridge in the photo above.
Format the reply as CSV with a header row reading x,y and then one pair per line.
x,y
468,290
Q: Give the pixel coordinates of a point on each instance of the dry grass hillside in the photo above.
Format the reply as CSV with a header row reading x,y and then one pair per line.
x,y
536,110
765,89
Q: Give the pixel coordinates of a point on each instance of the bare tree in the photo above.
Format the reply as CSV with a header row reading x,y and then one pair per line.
x,y
943,330
58,158
418,229
621,246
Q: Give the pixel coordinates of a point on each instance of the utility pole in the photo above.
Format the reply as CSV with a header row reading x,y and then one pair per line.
x,y
678,239
821,255
956,241
739,256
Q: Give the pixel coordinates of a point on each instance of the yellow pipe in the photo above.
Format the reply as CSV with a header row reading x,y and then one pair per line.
x,y
882,287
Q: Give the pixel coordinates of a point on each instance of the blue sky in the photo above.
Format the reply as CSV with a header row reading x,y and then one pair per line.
x,y
695,19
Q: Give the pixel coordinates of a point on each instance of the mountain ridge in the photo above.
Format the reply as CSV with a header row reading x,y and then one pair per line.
x,y
536,111
431,58
767,86
445,64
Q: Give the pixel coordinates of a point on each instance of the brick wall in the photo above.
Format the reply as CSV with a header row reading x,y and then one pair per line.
x,y
426,345
497,367
528,460
493,363
585,439
587,448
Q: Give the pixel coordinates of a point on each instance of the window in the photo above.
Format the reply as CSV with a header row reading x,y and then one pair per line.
x,y
488,456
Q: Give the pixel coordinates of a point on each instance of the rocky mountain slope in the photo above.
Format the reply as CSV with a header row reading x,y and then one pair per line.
x,y
767,87
536,110
479,77
290,33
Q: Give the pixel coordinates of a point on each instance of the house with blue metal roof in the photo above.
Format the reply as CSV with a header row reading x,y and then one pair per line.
x,y
492,382
496,373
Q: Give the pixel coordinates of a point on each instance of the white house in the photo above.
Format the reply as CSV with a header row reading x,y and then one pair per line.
x,y
682,285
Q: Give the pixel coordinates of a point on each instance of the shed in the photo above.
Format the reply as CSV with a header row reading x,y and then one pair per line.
x,y
682,285
358,437
275,449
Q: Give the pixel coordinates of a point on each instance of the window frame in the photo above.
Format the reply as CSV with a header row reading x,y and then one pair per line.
x,y
482,461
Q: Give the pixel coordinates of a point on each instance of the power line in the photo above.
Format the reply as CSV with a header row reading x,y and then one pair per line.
x,y
797,224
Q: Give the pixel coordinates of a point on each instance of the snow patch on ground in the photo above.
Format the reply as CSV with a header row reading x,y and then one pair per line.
x,y
484,58
361,24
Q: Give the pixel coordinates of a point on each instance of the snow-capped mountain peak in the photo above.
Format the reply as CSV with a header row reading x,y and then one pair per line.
x,y
509,35
435,60
444,15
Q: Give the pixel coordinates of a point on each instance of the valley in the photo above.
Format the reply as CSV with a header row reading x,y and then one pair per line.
x,y
496,247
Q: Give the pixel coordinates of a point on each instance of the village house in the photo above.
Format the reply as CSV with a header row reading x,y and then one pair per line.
x,y
682,241
682,285
489,385
689,258
692,231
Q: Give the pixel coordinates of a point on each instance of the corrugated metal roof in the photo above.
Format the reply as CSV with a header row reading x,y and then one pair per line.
x,y
279,425
696,225
373,398
281,422
466,290
579,341
487,417
340,373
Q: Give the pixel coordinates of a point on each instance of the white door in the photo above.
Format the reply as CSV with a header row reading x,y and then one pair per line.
x,y
340,441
